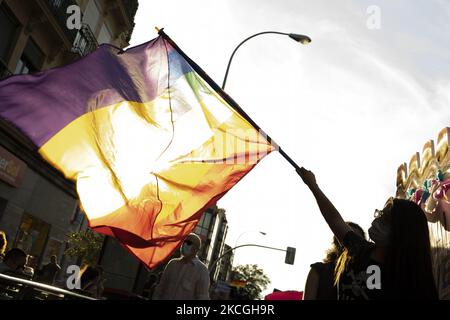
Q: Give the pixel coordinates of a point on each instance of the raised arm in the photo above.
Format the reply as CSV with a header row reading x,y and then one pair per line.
x,y
329,212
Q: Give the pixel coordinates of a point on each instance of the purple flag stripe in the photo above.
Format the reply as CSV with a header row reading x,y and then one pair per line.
x,y
42,104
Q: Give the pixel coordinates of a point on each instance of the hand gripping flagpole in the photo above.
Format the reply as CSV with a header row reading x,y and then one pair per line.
x,y
227,98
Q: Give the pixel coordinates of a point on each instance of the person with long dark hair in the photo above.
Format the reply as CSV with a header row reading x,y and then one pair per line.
x,y
397,265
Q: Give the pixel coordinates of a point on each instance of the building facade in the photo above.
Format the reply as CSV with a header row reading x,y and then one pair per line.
x,y
38,206
219,236
212,229
226,264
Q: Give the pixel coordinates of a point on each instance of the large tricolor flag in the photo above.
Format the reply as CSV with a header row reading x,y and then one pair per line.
x,y
150,140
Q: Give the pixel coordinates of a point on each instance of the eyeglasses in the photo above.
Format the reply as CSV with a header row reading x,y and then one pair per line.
x,y
378,213
387,208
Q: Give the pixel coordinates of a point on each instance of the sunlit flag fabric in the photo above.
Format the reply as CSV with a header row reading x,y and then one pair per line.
x,y
150,140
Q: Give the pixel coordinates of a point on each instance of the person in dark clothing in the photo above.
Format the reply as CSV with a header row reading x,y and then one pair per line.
x,y
92,281
150,285
321,284
14,262
397,265
49,272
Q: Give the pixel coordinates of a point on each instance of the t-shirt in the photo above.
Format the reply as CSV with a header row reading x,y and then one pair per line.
x,y
362,278
183,281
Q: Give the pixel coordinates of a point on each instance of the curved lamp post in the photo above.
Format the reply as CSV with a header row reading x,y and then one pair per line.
x,y
297,37
245,232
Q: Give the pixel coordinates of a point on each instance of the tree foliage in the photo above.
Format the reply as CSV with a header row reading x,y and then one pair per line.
x,y
255,281
85,245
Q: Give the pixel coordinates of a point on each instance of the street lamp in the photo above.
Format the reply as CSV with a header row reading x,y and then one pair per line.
x,y
297,37
260,232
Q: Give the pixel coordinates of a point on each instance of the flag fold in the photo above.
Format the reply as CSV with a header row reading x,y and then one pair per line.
x,y
149,139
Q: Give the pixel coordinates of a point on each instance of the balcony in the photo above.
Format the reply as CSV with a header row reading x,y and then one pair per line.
x,y
131,7
59,11
85,41
4,71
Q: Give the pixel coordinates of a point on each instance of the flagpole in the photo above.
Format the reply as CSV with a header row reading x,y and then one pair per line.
x,y
227,98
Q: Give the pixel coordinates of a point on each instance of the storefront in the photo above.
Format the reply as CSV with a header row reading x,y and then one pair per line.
x,y
35,213
31,237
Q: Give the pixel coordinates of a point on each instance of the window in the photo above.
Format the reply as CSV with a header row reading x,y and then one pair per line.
x,y
77,216
91,15
8,27
207,221
54,247
104,35
204,225
31,60
22,67
3,203
32,236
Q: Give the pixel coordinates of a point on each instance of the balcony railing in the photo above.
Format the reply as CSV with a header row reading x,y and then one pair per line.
x,y
13,288
4,71
131,7
85,41
59,10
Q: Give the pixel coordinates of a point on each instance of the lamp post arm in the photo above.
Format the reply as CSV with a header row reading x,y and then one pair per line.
x,y
240,44
245,232
243,245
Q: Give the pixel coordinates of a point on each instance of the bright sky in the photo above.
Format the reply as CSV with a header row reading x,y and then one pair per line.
x,y
351,106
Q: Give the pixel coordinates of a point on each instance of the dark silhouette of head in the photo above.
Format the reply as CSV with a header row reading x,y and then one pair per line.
x,y
191,246
53,259
16,259
90,275
343,259
337,249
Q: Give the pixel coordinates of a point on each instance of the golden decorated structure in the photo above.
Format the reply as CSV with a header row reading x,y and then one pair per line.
x,y
426,181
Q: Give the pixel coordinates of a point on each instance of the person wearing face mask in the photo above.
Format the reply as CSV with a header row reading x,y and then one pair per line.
x,y
185,278
400,252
